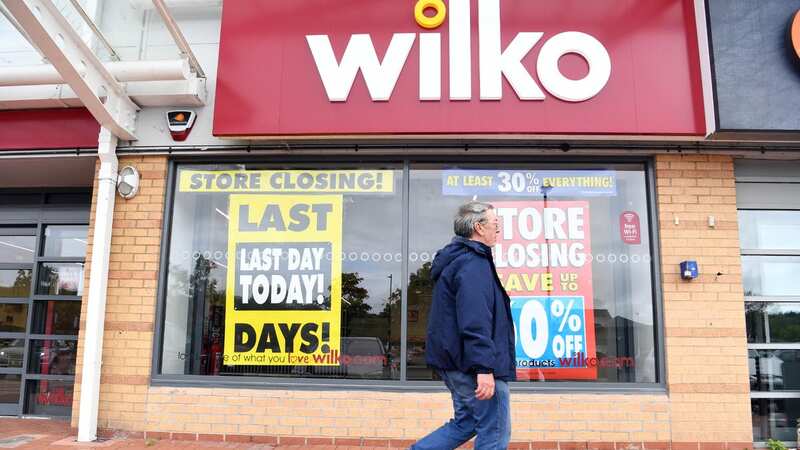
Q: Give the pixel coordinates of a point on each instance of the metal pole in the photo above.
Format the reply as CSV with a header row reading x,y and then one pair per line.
x,y
177,36
95,30
98,284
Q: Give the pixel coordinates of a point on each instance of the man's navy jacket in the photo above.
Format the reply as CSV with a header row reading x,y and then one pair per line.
x,y
470,328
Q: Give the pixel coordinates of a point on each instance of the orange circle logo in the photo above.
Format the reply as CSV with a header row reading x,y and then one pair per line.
x,y
795,33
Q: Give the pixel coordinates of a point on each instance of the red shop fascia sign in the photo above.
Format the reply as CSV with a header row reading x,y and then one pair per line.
x,y
474,67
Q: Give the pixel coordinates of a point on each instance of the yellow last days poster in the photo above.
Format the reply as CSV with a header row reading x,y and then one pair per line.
x,y
283,303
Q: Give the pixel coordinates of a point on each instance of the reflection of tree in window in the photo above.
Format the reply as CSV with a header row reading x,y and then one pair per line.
x,y
358,319
420,295
772,322
23,281
392,303
754,316
353,296
48,280
21,286
785,326
207,303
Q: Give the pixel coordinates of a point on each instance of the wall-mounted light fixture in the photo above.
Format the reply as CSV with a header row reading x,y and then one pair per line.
x,y
128,182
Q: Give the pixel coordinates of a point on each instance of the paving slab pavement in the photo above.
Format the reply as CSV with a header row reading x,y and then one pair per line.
x,y
54,434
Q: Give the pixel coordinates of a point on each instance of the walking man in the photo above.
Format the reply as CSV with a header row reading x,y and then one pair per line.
x,y
470,339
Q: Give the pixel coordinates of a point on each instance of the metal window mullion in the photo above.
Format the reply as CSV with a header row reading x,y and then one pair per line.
x,y
655,273
10,371
55,221
57,298
776,395
769,252
62,259
60,215
10,335
14,300
771,299
52,337
404,242
774,346
768,180
749,207
163,271
34,284
39,376
18,231
15,266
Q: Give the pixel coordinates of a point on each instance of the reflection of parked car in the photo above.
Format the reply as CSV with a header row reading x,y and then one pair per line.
x,y
417,367
363,357
11,356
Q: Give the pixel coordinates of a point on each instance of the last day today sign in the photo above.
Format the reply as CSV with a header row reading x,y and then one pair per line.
x,y
285,306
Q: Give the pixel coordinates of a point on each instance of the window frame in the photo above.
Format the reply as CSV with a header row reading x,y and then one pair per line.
x,y
406,160
779,204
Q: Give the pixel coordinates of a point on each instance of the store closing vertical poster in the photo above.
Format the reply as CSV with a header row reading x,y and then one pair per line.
x,y
285,304
543,258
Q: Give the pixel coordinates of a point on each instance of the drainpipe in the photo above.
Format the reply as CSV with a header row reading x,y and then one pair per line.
x,y
98,283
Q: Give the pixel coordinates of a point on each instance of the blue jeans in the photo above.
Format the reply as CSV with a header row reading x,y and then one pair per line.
x,y
489,419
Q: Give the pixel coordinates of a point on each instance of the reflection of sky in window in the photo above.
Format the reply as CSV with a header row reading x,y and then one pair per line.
x,y
372,223
431,226
620,290
772,230
770,275
16,249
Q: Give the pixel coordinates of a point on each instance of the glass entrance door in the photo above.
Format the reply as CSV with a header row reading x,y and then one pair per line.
x,y
17,255
42,251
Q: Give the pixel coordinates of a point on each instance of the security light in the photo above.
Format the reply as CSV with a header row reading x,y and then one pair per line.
x,y
128,182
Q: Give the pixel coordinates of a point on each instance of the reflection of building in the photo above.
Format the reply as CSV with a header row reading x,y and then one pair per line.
x,y
13,317
615,339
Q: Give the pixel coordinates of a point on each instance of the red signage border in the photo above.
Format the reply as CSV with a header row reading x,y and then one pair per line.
x,y
35,129
273,56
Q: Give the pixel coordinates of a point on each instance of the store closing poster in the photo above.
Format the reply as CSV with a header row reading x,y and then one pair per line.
x,y
543,260
285,308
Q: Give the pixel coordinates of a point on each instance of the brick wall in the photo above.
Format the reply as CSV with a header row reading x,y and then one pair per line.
x,y
376,415
707,405
130,304
706,346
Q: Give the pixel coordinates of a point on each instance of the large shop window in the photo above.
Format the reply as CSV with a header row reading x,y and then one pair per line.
x,y
285,272
292,272
770,268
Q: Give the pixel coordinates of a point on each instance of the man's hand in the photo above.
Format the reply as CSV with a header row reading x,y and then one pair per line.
x,y
485,389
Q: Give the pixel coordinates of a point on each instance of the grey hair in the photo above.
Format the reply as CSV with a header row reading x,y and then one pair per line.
x,y
468,215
